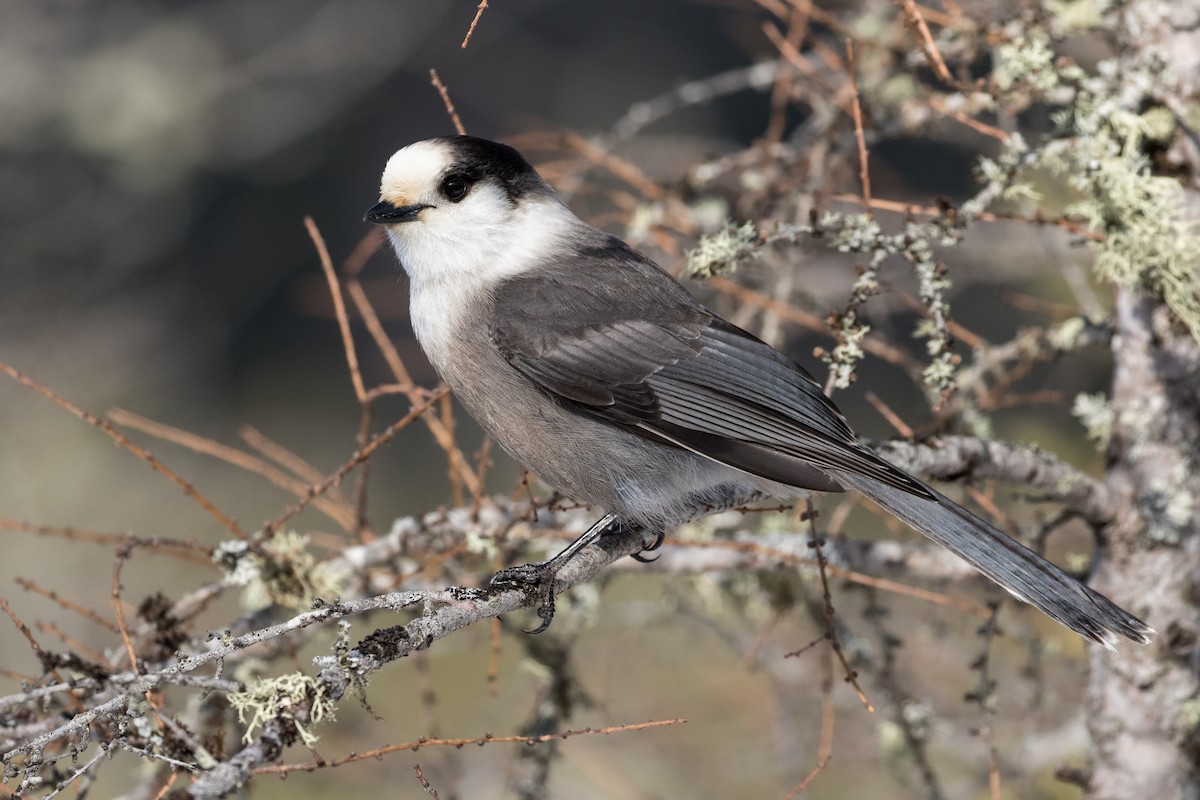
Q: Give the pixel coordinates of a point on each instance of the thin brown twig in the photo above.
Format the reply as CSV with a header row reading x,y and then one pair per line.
x,y
283,769
367,246
835,641
166,786
79,647
339,512
864,174
1071,226
13,675
193,551
284,457
891,416
802,650
797,31
776,7
362,304
361,526
617,166
1058,312
24,629
383,437
798,60
803,785
62,602
871,343
828,723
445,93
483,4
123,553
455,477
339,307
915,18
966,119
117,437
957,329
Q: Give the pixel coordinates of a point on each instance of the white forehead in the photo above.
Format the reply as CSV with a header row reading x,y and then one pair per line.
x,y
413,171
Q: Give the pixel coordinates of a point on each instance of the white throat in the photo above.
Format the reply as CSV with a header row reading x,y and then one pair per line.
x,y
455,256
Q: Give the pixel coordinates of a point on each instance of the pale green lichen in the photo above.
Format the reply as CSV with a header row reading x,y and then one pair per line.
x,y
848,351
1186,724
1095,412
1078,15
1168,505
1149,233
1026,62
1065,335
282,572
275,698
860,233
722,251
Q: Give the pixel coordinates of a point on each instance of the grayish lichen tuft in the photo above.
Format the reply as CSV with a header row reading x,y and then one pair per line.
x,y
273,698
722,251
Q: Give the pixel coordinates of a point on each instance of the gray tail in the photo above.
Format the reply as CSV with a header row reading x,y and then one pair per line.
x,y
1006,561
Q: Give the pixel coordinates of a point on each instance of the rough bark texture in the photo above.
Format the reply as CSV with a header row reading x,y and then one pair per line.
x,y
1144,703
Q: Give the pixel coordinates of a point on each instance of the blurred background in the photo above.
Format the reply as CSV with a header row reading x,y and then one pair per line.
x,y
157,160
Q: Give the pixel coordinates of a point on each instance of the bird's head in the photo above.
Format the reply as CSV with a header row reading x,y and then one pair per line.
x,y
462,207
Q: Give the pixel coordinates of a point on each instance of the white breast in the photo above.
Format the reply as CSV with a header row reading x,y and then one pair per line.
x,y
453,267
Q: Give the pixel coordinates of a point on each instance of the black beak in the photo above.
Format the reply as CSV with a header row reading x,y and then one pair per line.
x,y
383,213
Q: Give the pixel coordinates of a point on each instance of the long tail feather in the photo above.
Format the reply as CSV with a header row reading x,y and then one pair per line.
x,y
1006,561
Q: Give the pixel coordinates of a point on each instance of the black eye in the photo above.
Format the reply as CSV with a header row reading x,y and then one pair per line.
x,y
455,188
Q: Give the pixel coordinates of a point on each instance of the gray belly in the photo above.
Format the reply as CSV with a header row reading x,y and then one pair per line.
x,y
587,459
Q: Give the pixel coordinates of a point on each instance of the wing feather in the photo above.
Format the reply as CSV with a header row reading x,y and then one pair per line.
x,y
677,373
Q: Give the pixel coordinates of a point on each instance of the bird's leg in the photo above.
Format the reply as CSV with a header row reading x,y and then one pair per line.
x,y
539,578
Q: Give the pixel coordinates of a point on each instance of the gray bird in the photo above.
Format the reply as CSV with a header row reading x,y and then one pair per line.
x,y
601,374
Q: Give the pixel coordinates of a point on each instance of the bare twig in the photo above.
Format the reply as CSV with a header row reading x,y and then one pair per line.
x,y
864,174
361,455
915,18
117,437
339,306
119,606
445,93
423,742
902,427
835,641
796,33
339,512
29,586
483,4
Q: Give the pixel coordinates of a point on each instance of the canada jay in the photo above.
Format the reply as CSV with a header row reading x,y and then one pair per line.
x,y
601,374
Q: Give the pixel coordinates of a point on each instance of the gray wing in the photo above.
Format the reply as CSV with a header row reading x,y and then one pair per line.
x,y
644,355
656,362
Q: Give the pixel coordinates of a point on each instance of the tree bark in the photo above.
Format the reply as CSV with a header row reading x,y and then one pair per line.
x,y
1144,703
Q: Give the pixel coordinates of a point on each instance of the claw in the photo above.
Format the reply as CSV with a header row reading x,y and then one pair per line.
x,y
537,580
658,542
545,614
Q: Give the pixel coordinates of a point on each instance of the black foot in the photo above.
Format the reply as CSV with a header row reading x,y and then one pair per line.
x,y
537,581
